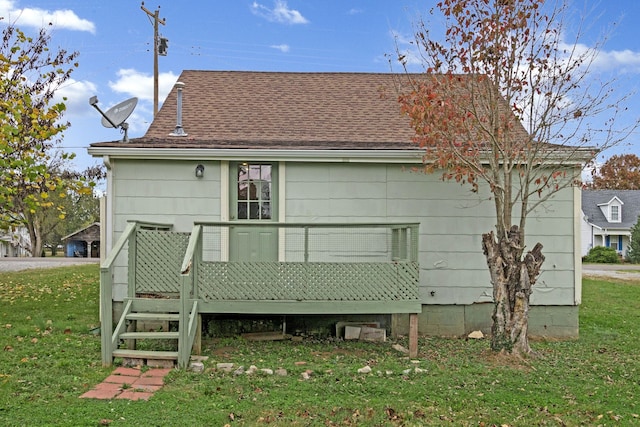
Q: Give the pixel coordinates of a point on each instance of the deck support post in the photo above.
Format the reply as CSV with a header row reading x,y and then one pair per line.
x,y
197,343
413,335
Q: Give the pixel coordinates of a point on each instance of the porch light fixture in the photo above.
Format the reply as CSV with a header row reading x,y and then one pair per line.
x,y
199,171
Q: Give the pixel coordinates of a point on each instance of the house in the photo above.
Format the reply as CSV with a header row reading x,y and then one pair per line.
x,y
84,243
295,193
608,217
15,242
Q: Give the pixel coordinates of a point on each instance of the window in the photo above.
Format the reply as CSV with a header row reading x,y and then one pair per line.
x,y
615,242
614,213
254,191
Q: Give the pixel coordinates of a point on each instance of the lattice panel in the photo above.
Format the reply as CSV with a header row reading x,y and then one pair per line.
x,y
159,256
255,281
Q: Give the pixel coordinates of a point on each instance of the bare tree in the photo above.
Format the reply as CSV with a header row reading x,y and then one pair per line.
x,y
506,101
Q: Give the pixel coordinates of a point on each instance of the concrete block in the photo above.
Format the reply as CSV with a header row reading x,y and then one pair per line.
x,y
352,332
341,325
373,334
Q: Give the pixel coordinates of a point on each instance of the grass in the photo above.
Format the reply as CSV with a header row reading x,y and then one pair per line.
x,y
49,356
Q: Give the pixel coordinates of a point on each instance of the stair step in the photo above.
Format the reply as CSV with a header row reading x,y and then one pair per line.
x,y
149,335
146,354
154,316
155,305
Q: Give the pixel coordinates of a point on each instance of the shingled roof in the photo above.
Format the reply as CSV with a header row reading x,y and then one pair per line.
x,y
238,109
591,199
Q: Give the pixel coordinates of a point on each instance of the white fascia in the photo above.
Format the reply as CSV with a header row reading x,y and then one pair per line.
x,y
341,156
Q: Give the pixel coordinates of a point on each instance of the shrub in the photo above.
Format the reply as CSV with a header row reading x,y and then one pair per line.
x,y
603,255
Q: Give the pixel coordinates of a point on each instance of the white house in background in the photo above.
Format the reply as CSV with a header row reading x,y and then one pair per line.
x,y
15,242
607,218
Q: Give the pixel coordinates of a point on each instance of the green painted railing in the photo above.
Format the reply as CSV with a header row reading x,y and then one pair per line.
x,y
127,239
320,269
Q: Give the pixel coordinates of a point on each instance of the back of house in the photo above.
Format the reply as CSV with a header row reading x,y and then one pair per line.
x,y
322,148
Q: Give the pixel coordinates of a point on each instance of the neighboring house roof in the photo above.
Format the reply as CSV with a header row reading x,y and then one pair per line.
x,y
92,231
276,110
593,199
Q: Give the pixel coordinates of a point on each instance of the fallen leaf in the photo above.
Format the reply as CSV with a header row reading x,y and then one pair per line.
x,y
8,348
8,326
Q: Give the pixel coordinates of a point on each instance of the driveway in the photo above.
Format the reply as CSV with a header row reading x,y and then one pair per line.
x,y
616,271
17,264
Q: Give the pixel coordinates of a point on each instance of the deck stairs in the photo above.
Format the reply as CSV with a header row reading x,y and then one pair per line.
x,y
127,338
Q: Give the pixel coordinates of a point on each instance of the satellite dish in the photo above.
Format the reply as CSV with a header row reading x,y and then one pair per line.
x,y
115,117
119,113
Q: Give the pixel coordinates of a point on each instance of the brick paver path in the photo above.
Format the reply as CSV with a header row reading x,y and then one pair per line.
x,y
128,383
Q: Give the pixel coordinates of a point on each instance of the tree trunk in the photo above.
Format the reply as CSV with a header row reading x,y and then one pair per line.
x,y
512,276
33,225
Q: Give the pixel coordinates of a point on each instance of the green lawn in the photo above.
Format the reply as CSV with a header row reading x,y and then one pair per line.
x,y
50,356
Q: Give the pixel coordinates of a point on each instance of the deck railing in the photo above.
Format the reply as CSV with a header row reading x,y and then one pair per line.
x,y
363,266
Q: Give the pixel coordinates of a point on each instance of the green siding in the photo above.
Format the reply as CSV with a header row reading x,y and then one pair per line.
x,y
162,192
451,217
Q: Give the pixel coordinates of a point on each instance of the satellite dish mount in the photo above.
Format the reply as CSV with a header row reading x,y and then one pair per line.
x,y
115,116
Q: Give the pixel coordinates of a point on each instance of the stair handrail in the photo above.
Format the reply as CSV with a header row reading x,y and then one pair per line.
x,y
194,240
188,294
106,294
106,286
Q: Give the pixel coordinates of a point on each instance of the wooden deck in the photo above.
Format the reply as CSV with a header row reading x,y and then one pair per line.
x,y
381,278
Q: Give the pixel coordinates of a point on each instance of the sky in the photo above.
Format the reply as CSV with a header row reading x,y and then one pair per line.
x,y
115,41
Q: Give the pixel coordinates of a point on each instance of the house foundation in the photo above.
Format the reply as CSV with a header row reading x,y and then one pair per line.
x,y
560,322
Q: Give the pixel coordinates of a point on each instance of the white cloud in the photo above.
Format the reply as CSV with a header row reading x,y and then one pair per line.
x,y
39,18
280,13
75,94
355,11
408,49
613,60
139,84
281,47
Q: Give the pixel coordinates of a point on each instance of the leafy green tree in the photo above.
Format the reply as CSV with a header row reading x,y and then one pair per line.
x,y
82,209
503,102
31,127
633,252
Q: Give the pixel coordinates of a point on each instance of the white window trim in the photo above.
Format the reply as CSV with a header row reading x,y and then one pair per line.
x,y
611,219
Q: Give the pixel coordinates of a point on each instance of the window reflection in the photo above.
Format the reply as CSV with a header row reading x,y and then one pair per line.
x,y
254,191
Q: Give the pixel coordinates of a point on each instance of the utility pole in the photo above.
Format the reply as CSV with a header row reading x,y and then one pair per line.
x,y
156,21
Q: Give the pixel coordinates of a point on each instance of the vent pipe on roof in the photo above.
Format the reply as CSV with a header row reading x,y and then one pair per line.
x,y
179,131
